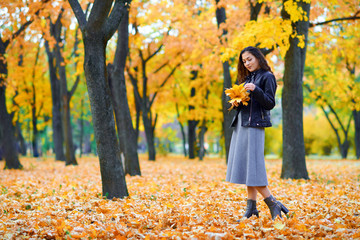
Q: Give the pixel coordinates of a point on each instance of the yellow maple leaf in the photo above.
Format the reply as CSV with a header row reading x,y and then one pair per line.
x,y
239,94
279,225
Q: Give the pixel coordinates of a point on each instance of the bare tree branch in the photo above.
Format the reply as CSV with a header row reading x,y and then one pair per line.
x,y
330,107
134,83
164,82
99,14
161,67
154,53
71,93
114,19
79,14
334,20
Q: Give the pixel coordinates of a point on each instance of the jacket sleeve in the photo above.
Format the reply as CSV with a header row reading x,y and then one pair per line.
x,y
266,96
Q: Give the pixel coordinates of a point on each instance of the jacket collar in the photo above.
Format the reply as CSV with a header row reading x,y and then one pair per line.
x,y
254,73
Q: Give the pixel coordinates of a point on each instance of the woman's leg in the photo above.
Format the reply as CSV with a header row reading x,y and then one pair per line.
x,y
264,191
252,192
251,203
275,206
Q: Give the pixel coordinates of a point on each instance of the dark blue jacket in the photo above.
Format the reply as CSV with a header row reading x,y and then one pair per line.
x,y
262,100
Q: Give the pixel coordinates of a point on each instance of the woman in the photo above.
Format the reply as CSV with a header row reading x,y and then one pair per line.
x,y
246,163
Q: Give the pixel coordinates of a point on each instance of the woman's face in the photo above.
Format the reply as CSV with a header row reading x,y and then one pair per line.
x,y
250,62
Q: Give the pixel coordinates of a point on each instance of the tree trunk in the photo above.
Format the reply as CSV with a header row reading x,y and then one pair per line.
x,y
137,124
181,129
203,130
81,125
69,144
20,139
6,127
112,174
65,106
7,132
183,138
228,116
192,125
87,142
356,115
149,133
344,149
192,138
126,132
294,164
35,131
58,137
255,10
33,111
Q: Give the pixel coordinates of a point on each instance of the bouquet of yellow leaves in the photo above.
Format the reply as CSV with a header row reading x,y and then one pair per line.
x,y
238,94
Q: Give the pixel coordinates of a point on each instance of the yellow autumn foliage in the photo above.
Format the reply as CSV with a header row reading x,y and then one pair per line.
x,y
238,94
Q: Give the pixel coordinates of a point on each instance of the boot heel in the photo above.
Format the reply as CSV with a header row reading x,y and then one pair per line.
x,y
284,209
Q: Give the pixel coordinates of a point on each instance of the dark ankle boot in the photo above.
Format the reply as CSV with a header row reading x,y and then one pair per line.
x,y
275,207
251,209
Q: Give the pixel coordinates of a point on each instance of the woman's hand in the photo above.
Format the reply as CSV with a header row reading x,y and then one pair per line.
x,y
250,86
235,104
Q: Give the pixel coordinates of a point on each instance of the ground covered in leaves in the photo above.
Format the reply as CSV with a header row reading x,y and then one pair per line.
x,y
176,198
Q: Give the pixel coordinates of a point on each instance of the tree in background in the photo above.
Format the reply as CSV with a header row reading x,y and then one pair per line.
x,y
331,77
126,131
96,32
29,89
154,58
12,28
294,165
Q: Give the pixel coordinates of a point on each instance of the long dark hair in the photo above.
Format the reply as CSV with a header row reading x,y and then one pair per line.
x,y
242,71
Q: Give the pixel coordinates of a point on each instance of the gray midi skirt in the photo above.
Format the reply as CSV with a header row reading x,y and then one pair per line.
x,y
246,163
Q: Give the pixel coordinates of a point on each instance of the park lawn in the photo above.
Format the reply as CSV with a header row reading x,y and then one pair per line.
x,y
176,198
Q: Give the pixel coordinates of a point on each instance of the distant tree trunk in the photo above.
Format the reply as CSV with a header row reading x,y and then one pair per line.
x,y
203,130
343,146
1,152
34,109
294,164
126,132
58,137
6,127
97,30
7,131
87,142
356,115
66,119
65,97
18,134
145,101
181,129
81,125
228,116
254,10
35,133
192,138
137,124
143,106
20,139
149,133
192,124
